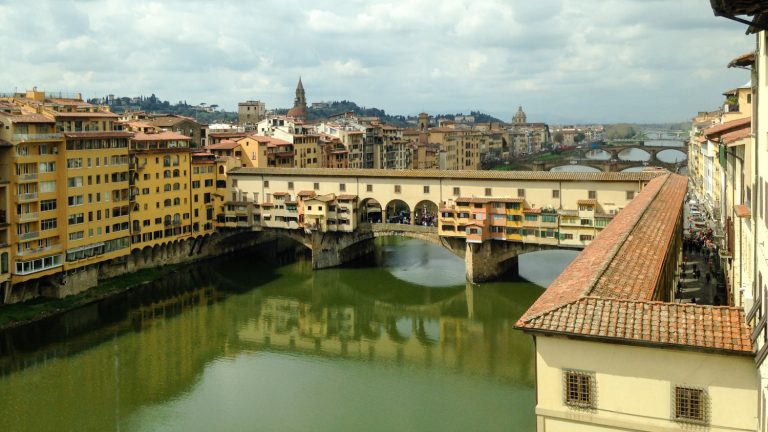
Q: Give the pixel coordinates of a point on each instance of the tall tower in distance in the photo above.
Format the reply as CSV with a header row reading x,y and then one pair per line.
x,y
299,110
519,117
423,122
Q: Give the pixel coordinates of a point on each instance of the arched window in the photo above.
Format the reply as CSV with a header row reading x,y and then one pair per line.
x,y
221,169
175,173
167,203
175,160
166,161
176,218
167,219
176,186
167,187
167,174
176,201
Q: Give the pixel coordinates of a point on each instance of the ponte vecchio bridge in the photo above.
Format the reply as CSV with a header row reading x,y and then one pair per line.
x,y
486,217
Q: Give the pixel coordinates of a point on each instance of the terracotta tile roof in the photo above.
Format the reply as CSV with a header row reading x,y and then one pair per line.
x,y
98,134
346,197
642,176
742,211
727,126
78,114
587,202
746,59
223,145
659,323
532,210
307,194
31,118
736,137
279,194
608,291
160,136
227,134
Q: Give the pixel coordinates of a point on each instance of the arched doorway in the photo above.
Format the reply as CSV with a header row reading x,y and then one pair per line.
x,y
370,211
398,212
425,213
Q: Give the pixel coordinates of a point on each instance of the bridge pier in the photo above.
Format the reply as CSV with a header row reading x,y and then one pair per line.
x,y
332,249
489,260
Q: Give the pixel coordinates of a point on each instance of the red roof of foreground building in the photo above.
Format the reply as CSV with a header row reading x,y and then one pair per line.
x,y
608,291
727,126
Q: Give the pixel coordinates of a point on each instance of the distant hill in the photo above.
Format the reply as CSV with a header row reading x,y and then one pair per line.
x,y
339,107
153,104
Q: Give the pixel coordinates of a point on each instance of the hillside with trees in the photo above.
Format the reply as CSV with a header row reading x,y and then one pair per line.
x,y
202,113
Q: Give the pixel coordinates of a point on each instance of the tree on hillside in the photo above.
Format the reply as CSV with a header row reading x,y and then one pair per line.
x,y
579,137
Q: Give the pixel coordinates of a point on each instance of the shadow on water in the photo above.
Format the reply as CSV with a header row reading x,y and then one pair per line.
x,y
374,321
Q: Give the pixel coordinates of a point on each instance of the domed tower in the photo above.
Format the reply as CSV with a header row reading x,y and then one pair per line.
x,y
423,122
299,110
519,117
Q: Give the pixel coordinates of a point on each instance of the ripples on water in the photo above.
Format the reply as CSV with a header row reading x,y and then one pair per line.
x,y
402,343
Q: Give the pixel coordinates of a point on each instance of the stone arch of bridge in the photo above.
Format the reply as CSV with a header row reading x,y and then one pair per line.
x,y
398,211
371,210
425,213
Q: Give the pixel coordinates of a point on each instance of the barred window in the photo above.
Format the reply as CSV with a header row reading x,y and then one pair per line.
x,y
456,191
397,189
488,192
579,389
689,404
369,188
592,194
630,195
521,193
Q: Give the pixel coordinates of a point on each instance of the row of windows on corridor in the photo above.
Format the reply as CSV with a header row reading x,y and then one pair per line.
x,y
456,190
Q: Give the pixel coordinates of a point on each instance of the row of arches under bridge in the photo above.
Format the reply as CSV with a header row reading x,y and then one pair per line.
x,y
397,211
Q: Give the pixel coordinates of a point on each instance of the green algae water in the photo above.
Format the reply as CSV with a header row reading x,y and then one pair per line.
x,y
400,342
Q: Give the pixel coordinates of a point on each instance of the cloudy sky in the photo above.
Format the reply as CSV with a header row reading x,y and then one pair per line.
x,y
562,60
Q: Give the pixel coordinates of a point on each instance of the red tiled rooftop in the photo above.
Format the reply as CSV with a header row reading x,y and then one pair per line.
x,y
347,197
727,126
31,118
659,323
223,145
160,136
587,202
608,291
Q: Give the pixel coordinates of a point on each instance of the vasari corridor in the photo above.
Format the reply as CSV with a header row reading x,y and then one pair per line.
x,y
421,215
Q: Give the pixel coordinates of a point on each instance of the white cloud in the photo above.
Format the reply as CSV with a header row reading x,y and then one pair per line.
x,y
592,60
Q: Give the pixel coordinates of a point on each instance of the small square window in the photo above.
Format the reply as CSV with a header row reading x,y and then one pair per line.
x,y
426,189
689,405
290,185
369,188
266,183
316,186
487,191
397,189
342,187
555,193
592,195
630,195
521,193
579,389
456,191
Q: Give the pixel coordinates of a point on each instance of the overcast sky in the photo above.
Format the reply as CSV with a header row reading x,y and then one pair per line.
x,y
562,60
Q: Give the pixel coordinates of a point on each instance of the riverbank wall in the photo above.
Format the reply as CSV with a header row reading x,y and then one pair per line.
x,y
72,282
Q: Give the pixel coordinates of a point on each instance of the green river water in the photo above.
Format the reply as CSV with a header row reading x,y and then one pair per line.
x,y
238,344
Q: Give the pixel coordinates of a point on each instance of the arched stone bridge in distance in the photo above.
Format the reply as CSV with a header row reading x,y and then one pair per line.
x,y
614,163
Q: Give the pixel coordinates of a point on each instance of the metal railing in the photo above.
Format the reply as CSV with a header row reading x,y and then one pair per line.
x,y
33,251
28,176
36,137
29,235
23,217
27,196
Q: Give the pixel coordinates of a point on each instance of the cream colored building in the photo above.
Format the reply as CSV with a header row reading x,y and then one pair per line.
x,y
615,352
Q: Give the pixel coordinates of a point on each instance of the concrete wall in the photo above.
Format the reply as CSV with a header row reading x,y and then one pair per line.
x,y
634,386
